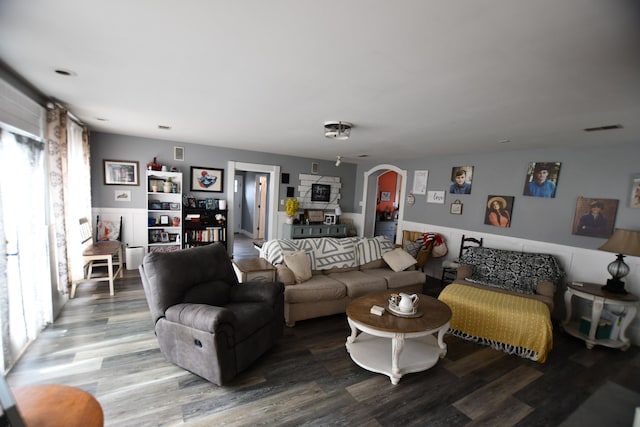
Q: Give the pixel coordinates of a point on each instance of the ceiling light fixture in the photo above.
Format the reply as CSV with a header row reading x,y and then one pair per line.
x,y
64,72
337,130
338,160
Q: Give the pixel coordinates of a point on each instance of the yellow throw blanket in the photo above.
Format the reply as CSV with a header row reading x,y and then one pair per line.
x,y
510,323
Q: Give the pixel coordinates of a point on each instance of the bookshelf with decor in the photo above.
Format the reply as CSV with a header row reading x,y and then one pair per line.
x,y
204,224
164,211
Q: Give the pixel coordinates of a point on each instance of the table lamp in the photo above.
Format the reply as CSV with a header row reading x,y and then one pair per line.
x,y
622,242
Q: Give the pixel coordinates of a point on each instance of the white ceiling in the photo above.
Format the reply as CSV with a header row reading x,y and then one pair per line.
x,y
415,77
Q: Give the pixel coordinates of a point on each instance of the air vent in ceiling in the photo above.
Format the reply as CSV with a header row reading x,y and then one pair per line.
x,y
608,127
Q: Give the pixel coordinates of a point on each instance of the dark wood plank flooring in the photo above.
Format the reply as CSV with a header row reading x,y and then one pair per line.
x,y
106,345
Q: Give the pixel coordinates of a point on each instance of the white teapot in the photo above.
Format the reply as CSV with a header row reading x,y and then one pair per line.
x,y
408,303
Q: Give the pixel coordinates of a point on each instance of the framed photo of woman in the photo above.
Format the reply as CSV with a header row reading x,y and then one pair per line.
x,y
499,210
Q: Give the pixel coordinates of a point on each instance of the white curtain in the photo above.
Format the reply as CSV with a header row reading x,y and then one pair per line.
x,y
70,192
25,286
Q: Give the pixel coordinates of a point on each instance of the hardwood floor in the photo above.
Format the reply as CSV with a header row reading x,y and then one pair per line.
x,y
106,345
243,247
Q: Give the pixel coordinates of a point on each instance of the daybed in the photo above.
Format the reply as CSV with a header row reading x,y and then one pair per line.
x,y
322,275
504,299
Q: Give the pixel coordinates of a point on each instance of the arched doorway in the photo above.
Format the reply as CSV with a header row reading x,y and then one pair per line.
x,y
370,196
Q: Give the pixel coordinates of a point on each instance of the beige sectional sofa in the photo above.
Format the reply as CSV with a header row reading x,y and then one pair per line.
x,y
337,271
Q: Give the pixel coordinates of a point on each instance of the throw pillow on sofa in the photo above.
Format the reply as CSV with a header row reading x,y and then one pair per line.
x,y
300,264
398,259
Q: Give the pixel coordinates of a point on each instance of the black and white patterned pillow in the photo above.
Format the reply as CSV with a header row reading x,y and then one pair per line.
x,y
413,247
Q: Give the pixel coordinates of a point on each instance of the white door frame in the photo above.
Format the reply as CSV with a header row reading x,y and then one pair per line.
x,y
369,193
274,189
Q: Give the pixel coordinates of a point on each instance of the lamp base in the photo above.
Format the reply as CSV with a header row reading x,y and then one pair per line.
x,y
615,286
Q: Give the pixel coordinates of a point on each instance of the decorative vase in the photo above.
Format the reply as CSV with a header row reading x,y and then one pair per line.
x,y
167,186
289,220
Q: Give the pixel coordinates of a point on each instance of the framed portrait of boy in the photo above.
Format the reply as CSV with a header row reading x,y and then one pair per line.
x,y
542,179
461,177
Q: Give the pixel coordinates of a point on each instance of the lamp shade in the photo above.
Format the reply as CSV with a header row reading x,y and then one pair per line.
x,y
626,242
338,210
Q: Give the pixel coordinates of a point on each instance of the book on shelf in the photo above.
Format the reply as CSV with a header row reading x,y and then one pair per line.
x,y
207,235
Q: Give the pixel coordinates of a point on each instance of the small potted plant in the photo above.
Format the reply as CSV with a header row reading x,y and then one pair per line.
x,y
291,209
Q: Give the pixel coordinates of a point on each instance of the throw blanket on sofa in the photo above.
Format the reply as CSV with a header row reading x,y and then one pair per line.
x,y
513,324
328,252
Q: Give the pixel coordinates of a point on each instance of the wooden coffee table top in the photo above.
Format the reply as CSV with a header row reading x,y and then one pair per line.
x,y
436,314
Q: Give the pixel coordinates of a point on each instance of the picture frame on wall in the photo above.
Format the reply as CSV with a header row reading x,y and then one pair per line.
x,y
420,178
207,179
634,200
456,207
121,172
499,211
320,192
542,179
385,196
461,180
595,217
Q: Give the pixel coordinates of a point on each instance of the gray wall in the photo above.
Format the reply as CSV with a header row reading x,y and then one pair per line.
x,y
586,171
143,150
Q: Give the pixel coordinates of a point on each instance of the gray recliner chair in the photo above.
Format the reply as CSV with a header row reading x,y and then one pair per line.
x,y
205,321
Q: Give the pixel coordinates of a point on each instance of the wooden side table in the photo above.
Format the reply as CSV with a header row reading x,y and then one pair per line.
x,y
599,298
254,269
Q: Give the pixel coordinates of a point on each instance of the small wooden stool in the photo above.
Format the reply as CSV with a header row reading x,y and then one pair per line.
x,y
53,405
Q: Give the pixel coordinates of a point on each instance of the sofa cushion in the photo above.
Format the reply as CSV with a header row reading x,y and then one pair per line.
x,y
359,283
319,288
398,259
300,265
400,279
211,293
379,263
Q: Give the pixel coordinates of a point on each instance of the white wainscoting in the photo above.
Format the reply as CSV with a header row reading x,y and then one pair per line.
x,y
134,223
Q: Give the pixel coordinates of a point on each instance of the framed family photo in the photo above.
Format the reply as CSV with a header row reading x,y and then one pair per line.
x,y
206,179
121,172
542,179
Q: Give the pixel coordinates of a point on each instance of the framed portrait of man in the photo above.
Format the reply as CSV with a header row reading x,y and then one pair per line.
x,y
595,217
542,179
461,177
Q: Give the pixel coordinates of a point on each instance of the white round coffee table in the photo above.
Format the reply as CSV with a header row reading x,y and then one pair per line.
x,y
393,345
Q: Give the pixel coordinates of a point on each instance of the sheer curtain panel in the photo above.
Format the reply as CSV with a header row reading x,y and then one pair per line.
x,y
25,285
